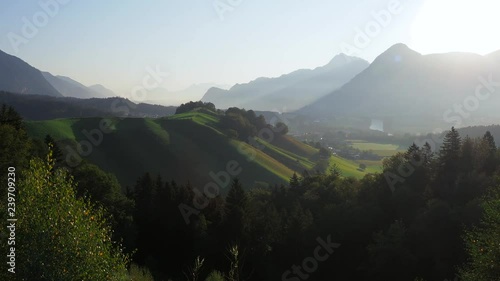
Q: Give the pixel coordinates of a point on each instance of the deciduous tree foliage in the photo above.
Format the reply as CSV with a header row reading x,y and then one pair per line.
x,y
60,236
483,243
192,105
105,192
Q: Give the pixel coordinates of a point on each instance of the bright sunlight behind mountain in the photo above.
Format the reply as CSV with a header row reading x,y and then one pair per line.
x,y
449,25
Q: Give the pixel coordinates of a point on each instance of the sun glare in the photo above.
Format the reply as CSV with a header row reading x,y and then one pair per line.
x,y
450,25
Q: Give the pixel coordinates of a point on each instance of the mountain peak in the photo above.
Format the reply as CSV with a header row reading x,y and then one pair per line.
x,y
98,86
342,59
397,53
100,89
399,46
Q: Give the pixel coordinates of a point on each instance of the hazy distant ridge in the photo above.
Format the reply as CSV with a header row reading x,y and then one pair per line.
x,y
289,91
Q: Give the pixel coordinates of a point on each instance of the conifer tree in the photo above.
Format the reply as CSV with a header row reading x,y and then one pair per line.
x,y
235,212
448,164
294,181
450,151
467,155
489,149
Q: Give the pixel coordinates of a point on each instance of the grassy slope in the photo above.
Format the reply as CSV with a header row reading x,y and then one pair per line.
x,y
374,146
299,148
58,128
380,149
213,150
349,168
184,147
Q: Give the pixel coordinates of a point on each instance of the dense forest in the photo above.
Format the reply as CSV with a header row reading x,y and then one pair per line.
x,y
431,215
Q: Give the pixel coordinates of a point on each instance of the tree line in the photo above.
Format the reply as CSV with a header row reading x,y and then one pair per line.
x,y
431,215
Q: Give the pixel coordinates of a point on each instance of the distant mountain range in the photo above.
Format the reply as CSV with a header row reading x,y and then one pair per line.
x,y
400,91
17,76
290,91
192,93
71,88
407,91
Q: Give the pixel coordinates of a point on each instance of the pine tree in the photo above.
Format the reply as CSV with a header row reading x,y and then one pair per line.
x,y
467,155
235,212
450,151
428,153
10,117
413,149
448,164
413,154
490,141
144,194
488,152
145,191
294,181
155,202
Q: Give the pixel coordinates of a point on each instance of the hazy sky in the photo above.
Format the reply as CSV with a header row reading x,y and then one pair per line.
x,y
112,42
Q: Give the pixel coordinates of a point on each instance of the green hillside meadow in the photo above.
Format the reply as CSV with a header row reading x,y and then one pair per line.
x,y
185,146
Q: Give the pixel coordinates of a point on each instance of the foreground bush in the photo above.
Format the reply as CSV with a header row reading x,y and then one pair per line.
x,y
60,237
483,244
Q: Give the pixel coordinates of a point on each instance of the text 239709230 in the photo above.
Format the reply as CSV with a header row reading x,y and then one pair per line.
x,y
11,220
